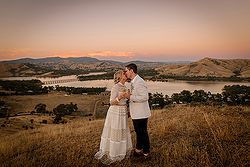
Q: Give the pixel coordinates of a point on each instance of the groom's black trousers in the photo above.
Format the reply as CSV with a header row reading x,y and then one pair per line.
x,y
142,139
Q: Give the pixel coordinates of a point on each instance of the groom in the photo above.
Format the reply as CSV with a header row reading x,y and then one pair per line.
x,y
139,109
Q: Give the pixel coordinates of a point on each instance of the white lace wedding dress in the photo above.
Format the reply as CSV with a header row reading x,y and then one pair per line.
x,y
116,141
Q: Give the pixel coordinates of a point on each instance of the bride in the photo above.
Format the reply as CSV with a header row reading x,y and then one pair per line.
x,y
116,141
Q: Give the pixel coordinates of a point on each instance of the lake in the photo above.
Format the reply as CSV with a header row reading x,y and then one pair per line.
x,y
161,87
166,88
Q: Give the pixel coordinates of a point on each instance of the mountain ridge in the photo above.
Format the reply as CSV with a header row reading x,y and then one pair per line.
x,y
81,60
206,67
209,67
50,59
64,66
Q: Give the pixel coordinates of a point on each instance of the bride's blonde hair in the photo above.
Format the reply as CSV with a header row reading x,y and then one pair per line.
x,y
118,76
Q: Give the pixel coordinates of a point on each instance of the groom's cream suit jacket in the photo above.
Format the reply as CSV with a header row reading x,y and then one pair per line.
x,y
138,104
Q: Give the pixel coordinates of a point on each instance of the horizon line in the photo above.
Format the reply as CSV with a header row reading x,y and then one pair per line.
x,y
109,59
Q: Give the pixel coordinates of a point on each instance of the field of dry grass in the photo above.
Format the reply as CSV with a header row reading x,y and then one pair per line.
x,y
27,103
180,136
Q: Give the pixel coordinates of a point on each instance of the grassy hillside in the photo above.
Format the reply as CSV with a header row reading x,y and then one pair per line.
x,y
7,70
56,66
209,67
27,103
180,136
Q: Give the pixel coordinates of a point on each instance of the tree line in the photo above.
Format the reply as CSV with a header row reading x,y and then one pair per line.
x,y
22,87
108,75
79,90
34,87
231,95
59,111
200,78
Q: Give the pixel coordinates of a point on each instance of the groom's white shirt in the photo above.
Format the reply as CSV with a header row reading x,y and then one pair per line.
x,y
138,105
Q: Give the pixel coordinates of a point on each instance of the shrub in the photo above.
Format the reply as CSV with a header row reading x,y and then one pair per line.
x,y
44,121
3,110
65,109
41,108
57,119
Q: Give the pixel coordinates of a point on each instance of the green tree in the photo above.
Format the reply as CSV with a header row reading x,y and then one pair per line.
x,y
65,109
175,98
57,119
216,98
199,96
41,108
236,94
186,96
158,99
3,110
167,100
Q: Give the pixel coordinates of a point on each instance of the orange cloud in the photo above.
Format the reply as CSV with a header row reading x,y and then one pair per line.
x,y
15,53
65,55
98,54
174,53
27,52
111,54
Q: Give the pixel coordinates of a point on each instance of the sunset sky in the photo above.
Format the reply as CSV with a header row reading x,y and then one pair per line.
x,y
125,30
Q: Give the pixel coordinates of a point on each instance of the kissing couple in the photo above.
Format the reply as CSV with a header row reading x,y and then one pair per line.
x,y
116,141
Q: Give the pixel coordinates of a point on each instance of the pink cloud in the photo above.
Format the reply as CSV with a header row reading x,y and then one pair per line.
x,y
111,54
15,53
29,53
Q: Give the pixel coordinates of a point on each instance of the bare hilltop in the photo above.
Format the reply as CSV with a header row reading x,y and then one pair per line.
x,y
55,67
209,67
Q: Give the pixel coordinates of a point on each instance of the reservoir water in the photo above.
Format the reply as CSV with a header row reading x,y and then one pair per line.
x,y
166,88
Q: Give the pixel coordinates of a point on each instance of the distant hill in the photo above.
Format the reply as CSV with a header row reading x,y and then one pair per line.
x,y
56,66
9,70
209,67
52,60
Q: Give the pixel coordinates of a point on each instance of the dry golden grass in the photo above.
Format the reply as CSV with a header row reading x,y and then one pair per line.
x,y
180,136
17,124
27,103
208,67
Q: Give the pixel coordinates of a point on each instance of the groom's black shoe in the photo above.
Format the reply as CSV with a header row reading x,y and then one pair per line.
x,y
138,153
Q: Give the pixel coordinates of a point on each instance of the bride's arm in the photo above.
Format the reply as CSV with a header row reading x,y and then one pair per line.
x,y
114,98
